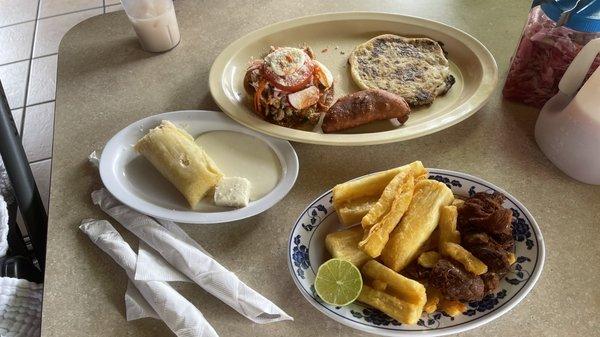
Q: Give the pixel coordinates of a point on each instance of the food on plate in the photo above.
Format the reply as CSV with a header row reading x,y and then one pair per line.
x,y
447,225
417,224
353,211
414,68
232,192
344,245
289,87
484,213
486,229
355,198
402,311
174,154
454,282
390,289
458,202
468,260
363,107
404,288
338,282
436,253
433,299
383,217
512,258
428,259
384,203
452,307
242,155
378,285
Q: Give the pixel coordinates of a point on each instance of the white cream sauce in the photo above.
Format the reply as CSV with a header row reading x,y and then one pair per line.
x,y
240,155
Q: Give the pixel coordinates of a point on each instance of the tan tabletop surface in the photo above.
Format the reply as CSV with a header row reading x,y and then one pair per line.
x,y
105,82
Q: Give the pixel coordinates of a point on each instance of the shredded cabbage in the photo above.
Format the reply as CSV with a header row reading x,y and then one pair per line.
x,y
541,59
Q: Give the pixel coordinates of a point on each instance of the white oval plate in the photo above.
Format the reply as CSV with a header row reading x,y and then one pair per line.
x,y
472,65
133,180
307,251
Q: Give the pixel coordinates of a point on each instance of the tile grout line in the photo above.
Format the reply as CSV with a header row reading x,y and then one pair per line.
x,y
27,59
72,12
29,72
103,6
49,16
32,105
39,160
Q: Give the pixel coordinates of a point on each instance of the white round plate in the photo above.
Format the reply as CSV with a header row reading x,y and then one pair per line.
x,y
332,37
307,251
133,180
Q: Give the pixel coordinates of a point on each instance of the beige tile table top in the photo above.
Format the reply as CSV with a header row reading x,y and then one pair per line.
x,y
105,82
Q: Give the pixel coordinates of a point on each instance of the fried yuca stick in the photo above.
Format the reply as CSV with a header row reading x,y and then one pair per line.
x,y
417,224
428,259
458,203
402,287
422,176
468,260
383,205
433,299
379,285
344,245
368,188
353,211
398,197
448,232
431,243
452,307
511,258
402,311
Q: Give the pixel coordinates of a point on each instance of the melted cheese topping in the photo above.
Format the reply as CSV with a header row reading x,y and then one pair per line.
x,y
286,61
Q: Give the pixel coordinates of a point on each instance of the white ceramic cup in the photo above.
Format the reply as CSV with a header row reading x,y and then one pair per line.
x,y
154,22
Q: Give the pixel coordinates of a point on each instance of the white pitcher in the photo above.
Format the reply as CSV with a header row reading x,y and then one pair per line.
x,y
568,127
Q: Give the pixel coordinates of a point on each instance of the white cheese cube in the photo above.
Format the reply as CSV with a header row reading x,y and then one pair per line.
x,y
233,192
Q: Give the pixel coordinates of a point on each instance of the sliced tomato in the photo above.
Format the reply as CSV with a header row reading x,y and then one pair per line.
x,y
293,82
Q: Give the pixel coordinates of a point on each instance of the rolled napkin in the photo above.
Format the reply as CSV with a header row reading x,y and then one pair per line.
x,y
182,317
184,254
136,306
150,266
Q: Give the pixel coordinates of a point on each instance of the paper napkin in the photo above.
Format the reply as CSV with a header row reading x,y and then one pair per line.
x,y
150,266
186,255
182,317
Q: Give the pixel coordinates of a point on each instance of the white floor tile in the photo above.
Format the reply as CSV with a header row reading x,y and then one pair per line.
x,y
17,117
111,2
42,80
50,31
38,131
41,173
16,42
56,7
15,11
114,8
14,81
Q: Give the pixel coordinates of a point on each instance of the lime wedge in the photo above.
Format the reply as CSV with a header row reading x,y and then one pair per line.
x,y
338,282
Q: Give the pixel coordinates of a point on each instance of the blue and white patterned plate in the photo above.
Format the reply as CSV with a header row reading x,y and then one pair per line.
x,y
307,251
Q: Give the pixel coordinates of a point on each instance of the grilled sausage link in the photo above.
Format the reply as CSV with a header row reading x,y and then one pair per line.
x,y
363,107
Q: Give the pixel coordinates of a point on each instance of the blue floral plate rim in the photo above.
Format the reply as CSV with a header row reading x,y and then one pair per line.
x,y
433,324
